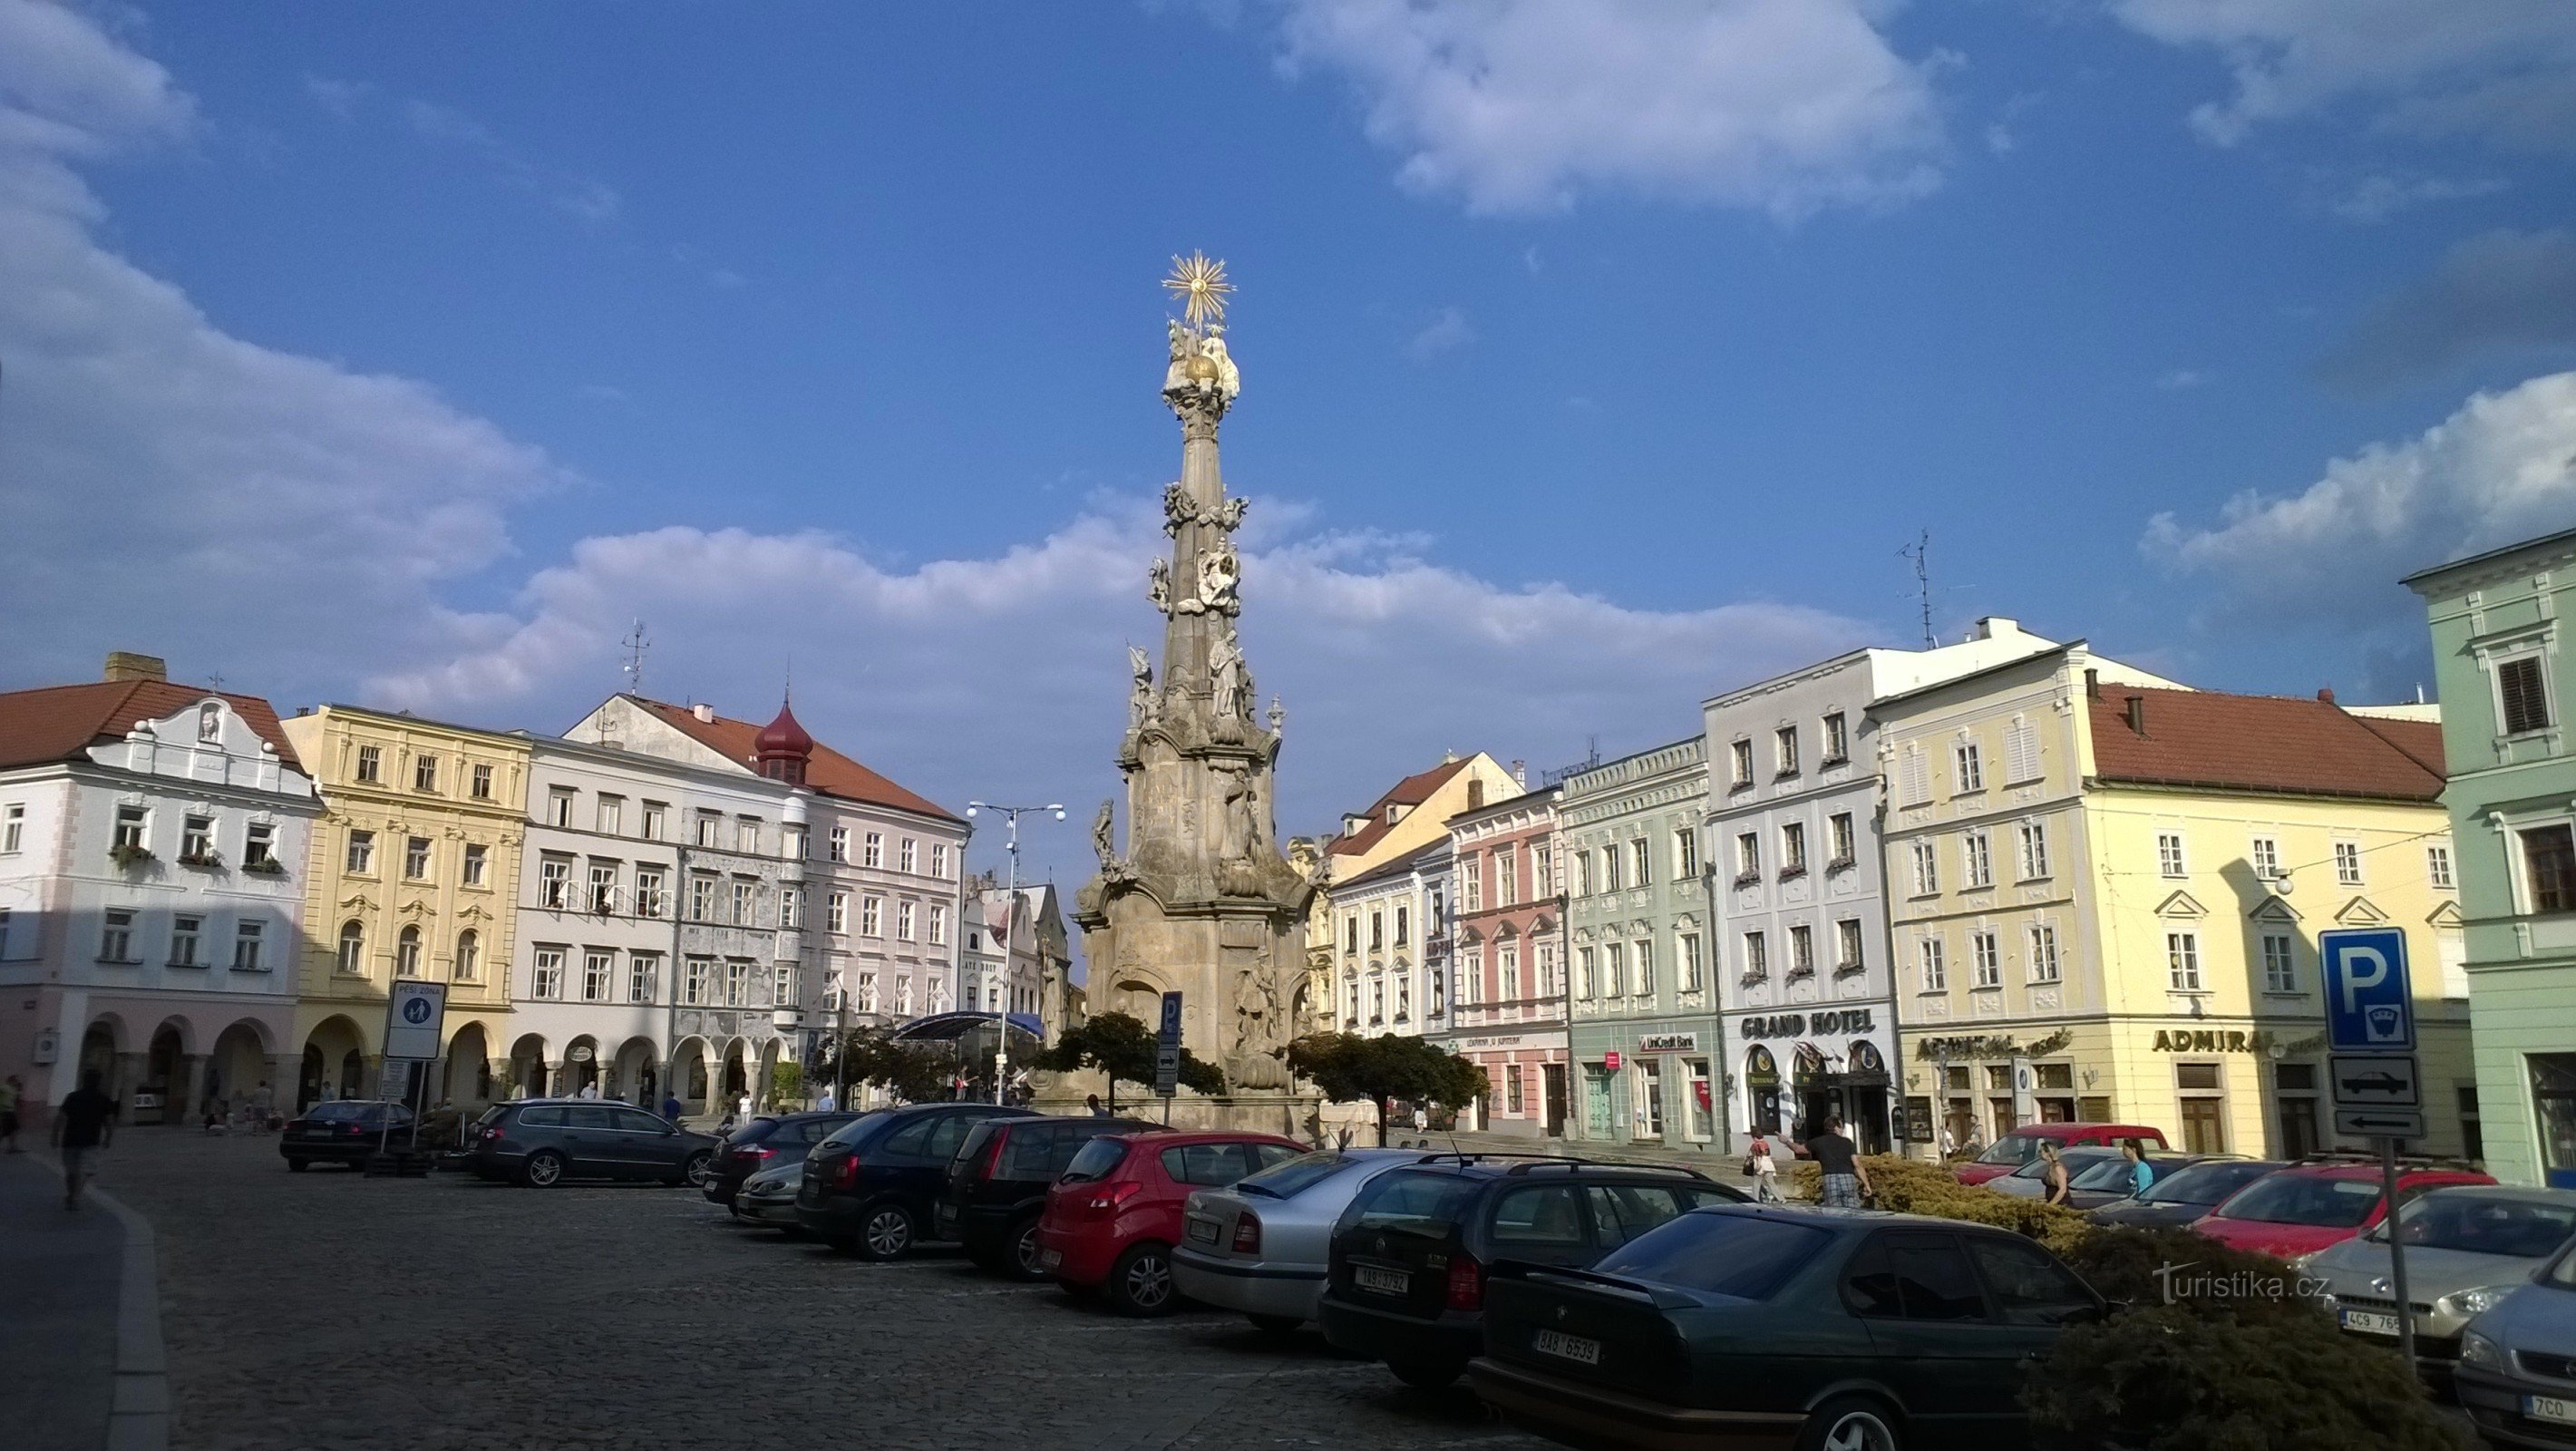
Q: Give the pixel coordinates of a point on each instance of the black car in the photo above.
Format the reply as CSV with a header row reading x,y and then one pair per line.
x,y
997,1185
2174,1201
762,1143
543,1141
1777,1326
871,1186
1406,1282
343,1131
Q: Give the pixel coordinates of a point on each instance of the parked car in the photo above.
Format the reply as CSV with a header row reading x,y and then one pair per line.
x,y
2466,1249
767,1140
2114,1181
1264,1246
1113,1216
997,1184
870,1185
769,1197
343,1131
1776,1326
541,1142
2299,1210
2516,1375
2030,1181
1406,1277
2176,1199
2010,1151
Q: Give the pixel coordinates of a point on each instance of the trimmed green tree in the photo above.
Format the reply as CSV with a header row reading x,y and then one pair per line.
x,y
1121,1047
1348,1067
906,1070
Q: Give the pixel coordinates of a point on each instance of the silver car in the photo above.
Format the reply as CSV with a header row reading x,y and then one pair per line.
x,y
1262,1246
769,1197
2030,1181
2467,1247
2517,1372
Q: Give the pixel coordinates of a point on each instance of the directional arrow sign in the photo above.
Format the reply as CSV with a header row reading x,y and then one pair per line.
x,y
2380,1123
2392,1080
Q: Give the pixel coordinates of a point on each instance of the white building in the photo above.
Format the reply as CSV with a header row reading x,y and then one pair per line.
x,y
1382,917
151,835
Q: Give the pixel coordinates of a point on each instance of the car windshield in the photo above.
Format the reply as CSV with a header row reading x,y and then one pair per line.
x,y
1726,1254
1096,1160
2306,1199
1287,1181
2481,1224
753,1132
1420,1203
2012,1149
856,1129
2205,1183
2110,1173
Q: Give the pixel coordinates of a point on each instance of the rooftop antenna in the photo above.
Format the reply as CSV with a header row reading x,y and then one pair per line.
x,y
1920,551
636,642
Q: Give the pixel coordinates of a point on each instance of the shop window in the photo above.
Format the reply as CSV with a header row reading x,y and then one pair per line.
x,y
2094,1110
2553,1112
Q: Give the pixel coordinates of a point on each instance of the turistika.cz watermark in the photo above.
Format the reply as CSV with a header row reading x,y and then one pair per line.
x,y
2189,1281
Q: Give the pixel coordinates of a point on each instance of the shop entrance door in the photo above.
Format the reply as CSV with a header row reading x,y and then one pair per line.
x,y
2204,1126
1552,1085
1596,1101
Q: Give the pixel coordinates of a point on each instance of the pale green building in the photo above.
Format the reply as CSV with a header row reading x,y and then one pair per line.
x,y
2500,653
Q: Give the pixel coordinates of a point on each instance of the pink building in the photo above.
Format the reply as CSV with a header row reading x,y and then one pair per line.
x,y
1505,941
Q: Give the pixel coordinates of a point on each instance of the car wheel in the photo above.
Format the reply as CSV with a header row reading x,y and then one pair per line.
x,y
1275,1324
886,1232
695,1172
1427,1375
1140,1283
1019,1257
1851,1423
299,1165
544,1170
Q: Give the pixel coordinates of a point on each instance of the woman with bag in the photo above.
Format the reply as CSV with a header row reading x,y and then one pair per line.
x,y
1766,1175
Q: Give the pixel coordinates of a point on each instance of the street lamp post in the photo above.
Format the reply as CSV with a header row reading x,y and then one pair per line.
x,y
1010,930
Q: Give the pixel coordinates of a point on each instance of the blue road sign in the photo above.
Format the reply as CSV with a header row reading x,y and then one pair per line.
x,y
2369,1006
1171,1034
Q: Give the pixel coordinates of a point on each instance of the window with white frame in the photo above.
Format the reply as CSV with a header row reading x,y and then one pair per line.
x,y
2280,963
352,956
791,908
702,896
1977,860
361,858
938,924
1610,868
1840,839
710,827
1913,777
1793,848
1587,972
1740,760
939,859
2347,858
1506,879
643,976
133,827
1757,957
654,812
2265,856
1836,745
873,849
697,981
609,812
1614,969
1968,767
424,773
1582,874
259,844
2522,694
197,839
1641,857
1542,870
2437,866
1784,751
603,887
746,834
2169,859
407,952
648,891
1403,925
559,805
185,933
2549,867
1645,977
479,783
13,828
1847,946
1471,977
1548,984
903,918
2031,848
1686,962
1985,960
1935,969
737,982
2021,751
478,861
1748,857
911,854
116,936
2043,952
2182,961
791,844
554,882
1508,964
1802,951
547,981
839,848
250,939
1471,891
1927,868
597,970
746,894
371,763
867,992
1685,854
416,858
469,956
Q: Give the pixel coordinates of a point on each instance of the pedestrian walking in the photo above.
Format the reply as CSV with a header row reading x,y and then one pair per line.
x,y
1766,1173
81,1129
590,1090
2141,1173
742,1109
671,1107
2054,1176
1093,1100
1421,1120
1949,1143
826,1104
1845,1181
12,1089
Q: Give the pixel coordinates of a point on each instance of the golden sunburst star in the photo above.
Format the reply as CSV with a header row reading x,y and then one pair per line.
x,y
1199,285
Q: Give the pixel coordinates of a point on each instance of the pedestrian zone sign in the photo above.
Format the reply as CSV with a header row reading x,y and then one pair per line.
x,y
415,1020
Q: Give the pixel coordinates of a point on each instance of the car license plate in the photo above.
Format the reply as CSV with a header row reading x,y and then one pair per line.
x,y
2549,1408
1048,1259
1384,1282
1203,1230
2370,1323
1570,1347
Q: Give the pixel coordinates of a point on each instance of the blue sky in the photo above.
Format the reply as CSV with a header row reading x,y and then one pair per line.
x,y
1597,357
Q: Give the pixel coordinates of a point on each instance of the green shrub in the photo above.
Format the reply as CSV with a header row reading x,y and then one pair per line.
x,y
786,1083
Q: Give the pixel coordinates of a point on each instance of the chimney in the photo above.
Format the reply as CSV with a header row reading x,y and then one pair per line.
x,y
2138,713
2325,695
2092,683
704,712
126,665
1998,627
1520,774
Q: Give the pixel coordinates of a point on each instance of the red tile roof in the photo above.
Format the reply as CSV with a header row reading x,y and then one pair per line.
x,y
2203,738
1399,866
1411,791
828,771
59,722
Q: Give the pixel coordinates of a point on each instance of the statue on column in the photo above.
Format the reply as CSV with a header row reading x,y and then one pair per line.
x,y
1229,683
1158,585
1140,699
1219,572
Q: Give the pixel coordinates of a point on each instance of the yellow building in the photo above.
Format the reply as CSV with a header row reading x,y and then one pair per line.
x,y
414,872
2106,891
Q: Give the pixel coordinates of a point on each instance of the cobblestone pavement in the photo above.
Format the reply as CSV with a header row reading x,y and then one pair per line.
x,y
327,1309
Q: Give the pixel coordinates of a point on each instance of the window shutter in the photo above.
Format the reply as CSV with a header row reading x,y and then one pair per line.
x,y
2021,750
2526,704
1915,782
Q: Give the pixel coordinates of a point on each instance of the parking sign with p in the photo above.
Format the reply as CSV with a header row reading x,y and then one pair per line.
x,y
2370,1008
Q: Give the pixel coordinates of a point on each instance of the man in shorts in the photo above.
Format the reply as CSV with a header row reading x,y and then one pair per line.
x,y
1845,1180
82,1128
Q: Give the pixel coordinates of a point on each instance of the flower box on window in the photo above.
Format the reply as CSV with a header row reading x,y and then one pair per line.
x,y
267,866
205,859
129,854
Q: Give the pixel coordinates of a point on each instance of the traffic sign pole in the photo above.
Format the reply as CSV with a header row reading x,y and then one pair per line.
x,y
2397,1252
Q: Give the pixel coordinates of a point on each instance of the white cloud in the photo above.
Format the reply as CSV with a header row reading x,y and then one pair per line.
x,y
2501,468
2175,380
2376,198
1517,106
1447,332
2501,70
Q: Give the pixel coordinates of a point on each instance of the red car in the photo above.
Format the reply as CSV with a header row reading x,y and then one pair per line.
x,y
2306,1207
2012,1150
1112,1218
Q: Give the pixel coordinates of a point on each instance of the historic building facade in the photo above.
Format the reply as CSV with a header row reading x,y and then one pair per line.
x,y
1505,944
1642,1011
2106,891
412,873
2500,656
152,844
1386,912
1794,796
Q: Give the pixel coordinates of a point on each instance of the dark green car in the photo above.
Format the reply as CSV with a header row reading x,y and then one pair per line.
x,y
1772,1326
